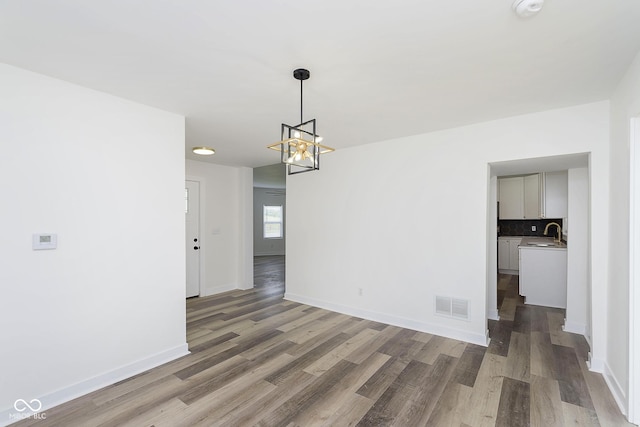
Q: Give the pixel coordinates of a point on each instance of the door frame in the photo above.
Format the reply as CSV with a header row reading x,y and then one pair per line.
x,y
201,220
634,272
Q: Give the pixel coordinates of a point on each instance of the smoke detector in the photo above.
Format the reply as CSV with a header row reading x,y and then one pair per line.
x,y
527,8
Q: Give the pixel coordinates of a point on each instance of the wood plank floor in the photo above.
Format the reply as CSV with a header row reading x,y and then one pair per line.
x,y
259,360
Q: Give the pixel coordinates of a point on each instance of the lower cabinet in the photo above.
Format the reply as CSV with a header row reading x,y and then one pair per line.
x,y
543,276
508,255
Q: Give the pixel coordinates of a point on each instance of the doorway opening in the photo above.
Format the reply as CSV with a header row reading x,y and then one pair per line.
x,y
269,228
503,290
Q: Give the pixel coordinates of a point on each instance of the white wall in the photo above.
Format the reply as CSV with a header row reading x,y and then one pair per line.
x,y
406,219
267,197
245,254
226,230
578,286
106,175
625,104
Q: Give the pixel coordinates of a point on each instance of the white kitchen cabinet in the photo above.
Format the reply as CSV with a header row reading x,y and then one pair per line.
x,y
511,195
508,255
519,197
531,197
504,262
554,190
543,276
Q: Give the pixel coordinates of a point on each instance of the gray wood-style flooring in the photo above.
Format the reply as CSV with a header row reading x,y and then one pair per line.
x,y
257,359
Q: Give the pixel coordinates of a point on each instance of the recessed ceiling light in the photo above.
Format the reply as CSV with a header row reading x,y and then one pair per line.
x,y
203,151
527,8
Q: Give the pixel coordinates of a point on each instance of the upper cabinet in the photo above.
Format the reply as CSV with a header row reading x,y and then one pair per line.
x,y
531,196
541,195
511,193
554,194
519,197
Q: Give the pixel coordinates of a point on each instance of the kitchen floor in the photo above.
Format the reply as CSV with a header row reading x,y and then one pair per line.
x,y
544,367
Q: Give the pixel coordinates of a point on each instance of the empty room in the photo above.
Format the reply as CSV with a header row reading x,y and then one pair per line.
x,y
326,213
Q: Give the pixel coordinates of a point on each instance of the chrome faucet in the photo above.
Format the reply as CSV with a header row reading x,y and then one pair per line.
x,y
546,230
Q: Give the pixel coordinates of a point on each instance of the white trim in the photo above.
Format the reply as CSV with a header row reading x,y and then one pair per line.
x,y
491,287
245,248
74,391
595,365
600,366
479,339
634,271
220,289
616,390
574,327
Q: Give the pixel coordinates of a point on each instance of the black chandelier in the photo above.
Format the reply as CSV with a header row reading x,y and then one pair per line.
x,y
299,145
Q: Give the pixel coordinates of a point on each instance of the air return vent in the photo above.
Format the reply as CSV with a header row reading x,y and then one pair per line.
x,y
443,305
460,308
452,307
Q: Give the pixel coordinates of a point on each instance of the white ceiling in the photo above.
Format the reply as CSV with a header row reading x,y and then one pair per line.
x,y
379,69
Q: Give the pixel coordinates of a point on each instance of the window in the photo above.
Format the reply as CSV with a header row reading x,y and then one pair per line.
x,y
272,221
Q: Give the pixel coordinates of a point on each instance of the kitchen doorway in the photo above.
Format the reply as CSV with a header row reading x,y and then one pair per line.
x,y
578,311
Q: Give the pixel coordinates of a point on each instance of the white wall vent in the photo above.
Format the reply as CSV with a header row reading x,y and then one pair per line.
x,y
452,307
460,308
443,305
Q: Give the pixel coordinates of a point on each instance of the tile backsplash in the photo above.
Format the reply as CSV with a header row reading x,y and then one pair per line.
x,y
522,227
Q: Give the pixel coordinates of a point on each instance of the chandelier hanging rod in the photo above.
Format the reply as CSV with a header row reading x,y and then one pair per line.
x,y
302,75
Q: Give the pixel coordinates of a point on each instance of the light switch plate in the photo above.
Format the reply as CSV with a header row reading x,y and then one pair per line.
x,y
44,241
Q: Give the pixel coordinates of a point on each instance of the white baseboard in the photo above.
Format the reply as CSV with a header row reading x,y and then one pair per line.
x,y
574,328
600,366
479,339
11,415
493,314
616,390
219,289
595,365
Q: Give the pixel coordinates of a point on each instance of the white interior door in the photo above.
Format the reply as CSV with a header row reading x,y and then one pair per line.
x,y
192,244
